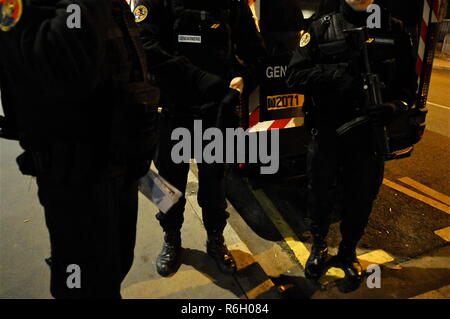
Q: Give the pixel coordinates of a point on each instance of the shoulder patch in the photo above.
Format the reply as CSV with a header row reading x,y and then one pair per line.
x,y
10,13
304,41
140,13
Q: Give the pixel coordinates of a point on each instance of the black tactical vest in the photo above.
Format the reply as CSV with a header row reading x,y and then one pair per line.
x,y
125,63
134,120
75,140
202,32
333,48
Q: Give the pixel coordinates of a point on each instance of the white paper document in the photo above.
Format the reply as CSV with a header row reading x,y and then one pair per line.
x,y
159,191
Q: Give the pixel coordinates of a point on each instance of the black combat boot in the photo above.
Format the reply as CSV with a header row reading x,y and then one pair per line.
x,y
348,262
169,258
317,259
216,248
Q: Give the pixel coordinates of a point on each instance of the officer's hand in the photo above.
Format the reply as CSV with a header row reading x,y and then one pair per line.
x,y
382,114
139,168
350,87
228,114
237,84
210,86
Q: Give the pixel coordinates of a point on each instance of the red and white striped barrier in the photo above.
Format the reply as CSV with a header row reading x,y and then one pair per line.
x,y
277,124
429,15
255,7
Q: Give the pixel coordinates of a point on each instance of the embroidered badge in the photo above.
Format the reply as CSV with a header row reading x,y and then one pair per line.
x,y
304,41
140,13
10,13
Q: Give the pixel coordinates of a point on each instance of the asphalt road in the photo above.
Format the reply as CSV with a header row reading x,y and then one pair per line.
x,y
439,102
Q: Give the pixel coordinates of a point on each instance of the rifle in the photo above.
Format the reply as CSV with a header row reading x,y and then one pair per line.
x,y
372,87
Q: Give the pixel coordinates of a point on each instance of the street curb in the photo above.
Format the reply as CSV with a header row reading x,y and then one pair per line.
x,y
441,68
250,276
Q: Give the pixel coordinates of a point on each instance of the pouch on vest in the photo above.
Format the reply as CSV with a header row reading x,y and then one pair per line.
x,y
203,36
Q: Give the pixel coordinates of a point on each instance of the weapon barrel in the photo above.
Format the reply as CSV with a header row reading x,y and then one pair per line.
x,y
372,87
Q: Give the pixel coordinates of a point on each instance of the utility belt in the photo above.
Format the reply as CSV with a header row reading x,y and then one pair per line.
x,y
142,93
71,163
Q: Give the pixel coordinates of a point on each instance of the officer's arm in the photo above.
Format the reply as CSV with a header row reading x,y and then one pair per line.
x,y
305,75
250,48
63,61
152,20
174,74
402,95
406,76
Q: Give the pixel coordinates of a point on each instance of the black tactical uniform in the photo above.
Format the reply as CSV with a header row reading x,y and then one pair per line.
x,y
412,17
322,68
327,7
79,101
196,43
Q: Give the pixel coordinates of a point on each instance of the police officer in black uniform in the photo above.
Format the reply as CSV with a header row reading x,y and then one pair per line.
x,y
324,67
327,7
79,101
197,41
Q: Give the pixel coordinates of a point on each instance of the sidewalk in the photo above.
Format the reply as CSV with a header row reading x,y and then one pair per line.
x,y
266,268
441,63
198,276
24,244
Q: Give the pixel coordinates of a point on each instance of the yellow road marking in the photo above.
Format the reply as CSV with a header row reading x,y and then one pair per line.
x,y
237,247
260,289
426,190
377,257
444,233
298,248
331,275
413,194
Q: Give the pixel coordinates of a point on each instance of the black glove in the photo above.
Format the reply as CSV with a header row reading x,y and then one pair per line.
x,y
139,168
210,87
26,164
2,125
350,88
221,112
382,114
228,115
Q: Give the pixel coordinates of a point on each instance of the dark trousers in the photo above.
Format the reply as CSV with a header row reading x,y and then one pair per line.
x,y
211,193
94,227
351,161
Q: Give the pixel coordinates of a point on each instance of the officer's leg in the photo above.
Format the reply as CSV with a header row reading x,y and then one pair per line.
x,y
211,197
169,259
175,174
128,204
322,166
85,250
363,175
